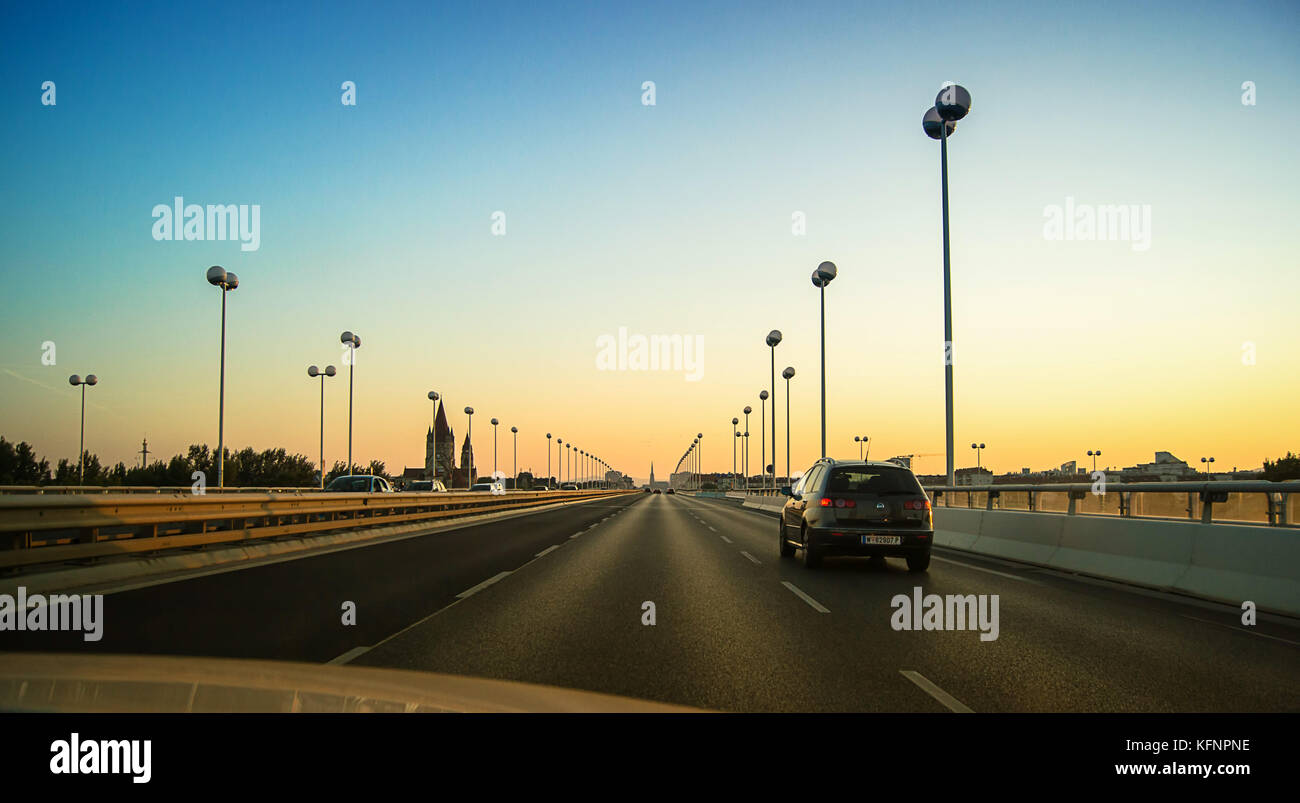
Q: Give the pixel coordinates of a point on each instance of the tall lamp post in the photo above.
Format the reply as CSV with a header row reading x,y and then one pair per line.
x,y
568,450
1094,454
822,276
353,342
699,461
548,461
979,449
314,372
469,442
858,440
950,105
745,445
762,435
735,441
218,277
75,380
1207,461
494,447
867,443
514,433
787,375
773,338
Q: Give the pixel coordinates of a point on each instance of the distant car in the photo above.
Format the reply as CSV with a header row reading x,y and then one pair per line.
x,y
647,490
427,485
569,486
857,507
493,486
359,483
658,491
671,491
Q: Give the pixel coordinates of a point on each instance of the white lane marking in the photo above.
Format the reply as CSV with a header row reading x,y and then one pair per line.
x,y
710,527
982,569
548,549
1240,630
482,585
751,557
949,702
575,535
349,655
725,538
814,603
593,526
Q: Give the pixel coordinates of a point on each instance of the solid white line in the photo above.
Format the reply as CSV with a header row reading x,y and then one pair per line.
x,y
1240,630
710,527
725,538
349,655
982,569
814,603
481,586
751,557
949,702
548,549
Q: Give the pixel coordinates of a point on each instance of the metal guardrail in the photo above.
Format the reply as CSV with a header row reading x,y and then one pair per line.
x,y
41,528
1236,501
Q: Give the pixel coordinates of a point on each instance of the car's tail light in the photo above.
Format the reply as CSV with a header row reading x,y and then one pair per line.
x,y
828,502
923,504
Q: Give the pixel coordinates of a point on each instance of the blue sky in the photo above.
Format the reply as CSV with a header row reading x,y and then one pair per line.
x,y
673,218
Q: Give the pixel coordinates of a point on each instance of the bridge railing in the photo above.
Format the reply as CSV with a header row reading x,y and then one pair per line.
x,y
53,528
1236,501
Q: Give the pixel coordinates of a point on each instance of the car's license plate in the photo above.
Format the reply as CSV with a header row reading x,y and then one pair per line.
x,y
885,540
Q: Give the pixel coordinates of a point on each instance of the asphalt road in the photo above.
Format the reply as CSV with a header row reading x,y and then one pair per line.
x,y
558,598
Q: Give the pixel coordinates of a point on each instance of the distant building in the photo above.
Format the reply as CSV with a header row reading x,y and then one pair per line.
x,y
973,476
442,440
653,485
1165,468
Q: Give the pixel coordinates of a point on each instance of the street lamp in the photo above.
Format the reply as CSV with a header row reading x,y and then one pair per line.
x,y
762,434
75,380
548,461
218,277
1207,461
858,440
353,342
787,375
821,277
1094,454
735,441
314,372
979,449
568,450
514,433
773,338
745,445
494,447
950,105
867,443
469,442
699,462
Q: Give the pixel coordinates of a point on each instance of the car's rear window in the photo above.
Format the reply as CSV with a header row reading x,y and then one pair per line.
x,y
350,484
872,480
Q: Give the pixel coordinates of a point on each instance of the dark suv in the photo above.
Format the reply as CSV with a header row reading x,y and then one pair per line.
x,y
857,507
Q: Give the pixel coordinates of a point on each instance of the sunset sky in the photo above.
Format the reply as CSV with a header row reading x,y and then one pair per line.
x,y
670,219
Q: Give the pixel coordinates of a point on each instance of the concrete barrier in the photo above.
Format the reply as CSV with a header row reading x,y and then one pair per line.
x,y
1222,562
1149,553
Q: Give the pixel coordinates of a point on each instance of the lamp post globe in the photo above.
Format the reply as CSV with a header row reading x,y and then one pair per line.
x,y
952,103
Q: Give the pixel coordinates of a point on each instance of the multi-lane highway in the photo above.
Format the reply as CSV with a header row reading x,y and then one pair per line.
x,y
559,597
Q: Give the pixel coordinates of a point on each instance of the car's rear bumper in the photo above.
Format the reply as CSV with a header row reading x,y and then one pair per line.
x,y
848,541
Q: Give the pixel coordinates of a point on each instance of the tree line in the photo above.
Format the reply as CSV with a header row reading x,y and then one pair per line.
x,y
247,467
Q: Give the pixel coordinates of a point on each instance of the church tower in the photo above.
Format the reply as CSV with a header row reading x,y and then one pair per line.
x,y
440,449
652,475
